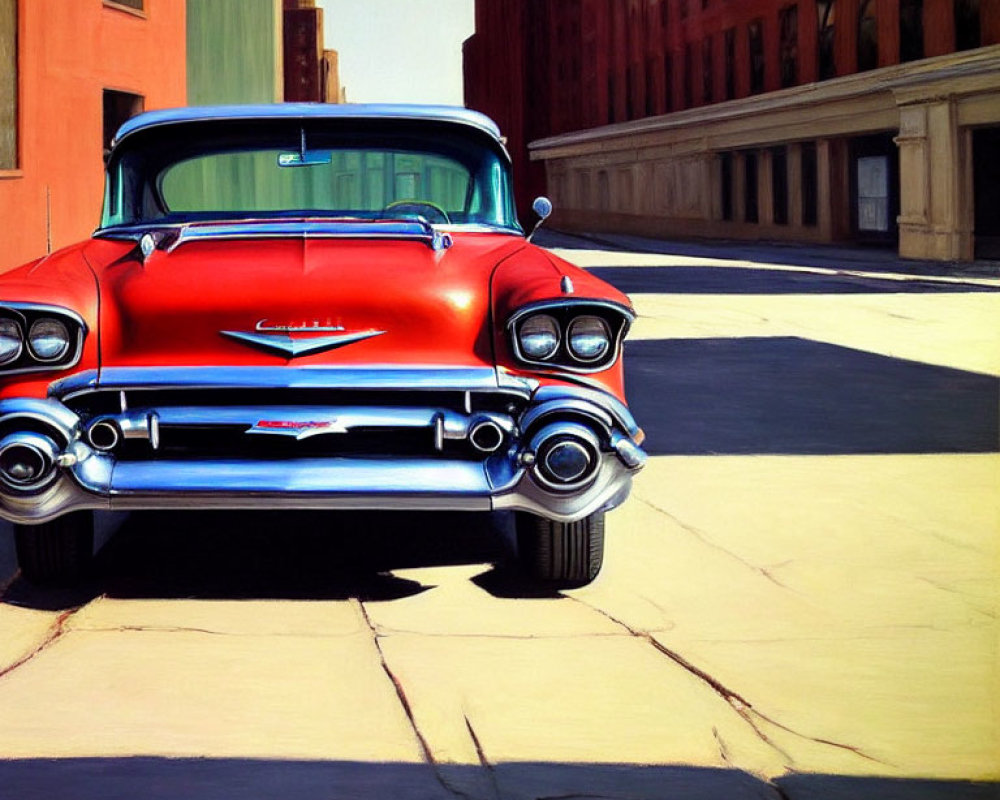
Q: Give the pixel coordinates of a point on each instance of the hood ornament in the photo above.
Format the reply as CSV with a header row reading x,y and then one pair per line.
x,y
281,339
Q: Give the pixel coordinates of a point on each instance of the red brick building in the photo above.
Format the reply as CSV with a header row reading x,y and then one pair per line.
x,y
784,119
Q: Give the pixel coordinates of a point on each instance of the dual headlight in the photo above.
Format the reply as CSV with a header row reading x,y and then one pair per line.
x,y
587,338
34,338
582,338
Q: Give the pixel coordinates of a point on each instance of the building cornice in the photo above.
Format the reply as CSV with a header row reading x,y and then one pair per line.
x,y
861,102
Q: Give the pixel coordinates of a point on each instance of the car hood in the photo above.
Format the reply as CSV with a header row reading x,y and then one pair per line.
x,y
248,301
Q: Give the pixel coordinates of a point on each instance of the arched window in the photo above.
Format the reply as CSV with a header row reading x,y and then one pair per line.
x,y
826,17
867,36
911,30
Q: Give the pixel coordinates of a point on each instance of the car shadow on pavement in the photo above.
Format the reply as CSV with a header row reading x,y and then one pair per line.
x,y
222,779
287,555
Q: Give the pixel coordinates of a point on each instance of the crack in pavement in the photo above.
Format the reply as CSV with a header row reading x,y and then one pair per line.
x,y
407,708
54,633
743,707
208,631
381,630
704,538
484,762
967,598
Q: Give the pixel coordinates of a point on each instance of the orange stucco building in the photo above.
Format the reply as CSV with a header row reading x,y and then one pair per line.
x,y
74,70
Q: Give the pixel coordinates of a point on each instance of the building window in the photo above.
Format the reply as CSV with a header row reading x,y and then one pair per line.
x,y
603,191
118,107
668,81
750,187
827,63
707,84
8,84
968,34
730,45
650,86
911,30
779,184
611,98
867,36
726,177
688,75
629,93
755,32
135,5
810,184
788,21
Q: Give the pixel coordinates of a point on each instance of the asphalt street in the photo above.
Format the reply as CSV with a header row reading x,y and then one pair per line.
x,y
799,600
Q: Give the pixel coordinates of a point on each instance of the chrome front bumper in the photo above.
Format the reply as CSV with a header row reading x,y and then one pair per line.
x,y
313,408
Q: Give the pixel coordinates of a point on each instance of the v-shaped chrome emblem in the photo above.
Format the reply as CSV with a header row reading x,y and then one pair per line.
x,y
284,344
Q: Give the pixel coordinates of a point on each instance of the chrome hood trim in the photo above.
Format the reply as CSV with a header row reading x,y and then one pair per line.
x,y
418,230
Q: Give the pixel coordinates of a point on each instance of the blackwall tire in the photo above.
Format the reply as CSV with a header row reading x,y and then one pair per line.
x,y
562,555
58,551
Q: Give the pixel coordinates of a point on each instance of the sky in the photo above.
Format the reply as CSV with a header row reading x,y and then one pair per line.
x,y
403,51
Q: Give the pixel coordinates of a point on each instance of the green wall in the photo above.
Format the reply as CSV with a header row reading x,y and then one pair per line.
x,y
233,51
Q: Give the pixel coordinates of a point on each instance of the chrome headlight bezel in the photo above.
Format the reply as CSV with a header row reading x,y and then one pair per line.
x,y
614,317
572,334
26,316
10,329
541,321
35,333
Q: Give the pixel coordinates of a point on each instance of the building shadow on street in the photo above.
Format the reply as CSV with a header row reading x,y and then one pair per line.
x,y
230,778
791,396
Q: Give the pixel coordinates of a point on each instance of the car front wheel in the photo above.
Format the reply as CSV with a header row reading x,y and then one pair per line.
x,y
561,554
57,551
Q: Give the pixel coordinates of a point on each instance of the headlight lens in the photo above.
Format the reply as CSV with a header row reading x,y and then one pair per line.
x,y
48,339
539,336
589,338
10,340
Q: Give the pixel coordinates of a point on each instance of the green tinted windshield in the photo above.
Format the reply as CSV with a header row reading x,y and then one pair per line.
x,y
385,169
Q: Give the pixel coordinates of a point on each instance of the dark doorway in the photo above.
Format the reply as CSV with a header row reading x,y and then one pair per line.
x,y
986,181
119,107
874,189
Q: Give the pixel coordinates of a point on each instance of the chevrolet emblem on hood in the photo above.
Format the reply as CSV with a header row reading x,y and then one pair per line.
x,y
294,340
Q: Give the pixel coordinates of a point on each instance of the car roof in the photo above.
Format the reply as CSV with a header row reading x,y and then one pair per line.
x,y
274,111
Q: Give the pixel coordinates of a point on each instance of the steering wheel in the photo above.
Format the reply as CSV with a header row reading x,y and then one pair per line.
x,y
420,208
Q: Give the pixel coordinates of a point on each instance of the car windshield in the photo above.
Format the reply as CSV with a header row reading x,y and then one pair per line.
x,y
271,169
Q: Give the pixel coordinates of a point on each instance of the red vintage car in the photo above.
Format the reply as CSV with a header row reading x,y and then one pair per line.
x,y
312,307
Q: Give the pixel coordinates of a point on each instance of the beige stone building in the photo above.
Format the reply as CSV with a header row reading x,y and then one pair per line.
x,y
831,161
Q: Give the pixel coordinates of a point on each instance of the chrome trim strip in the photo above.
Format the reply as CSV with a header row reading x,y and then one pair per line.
x,y
602,399
331,478
388,376
310,229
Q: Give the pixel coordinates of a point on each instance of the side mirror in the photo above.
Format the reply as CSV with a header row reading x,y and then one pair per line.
x,y
543,207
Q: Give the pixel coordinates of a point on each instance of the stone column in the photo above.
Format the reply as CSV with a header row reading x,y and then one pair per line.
x,y
935,220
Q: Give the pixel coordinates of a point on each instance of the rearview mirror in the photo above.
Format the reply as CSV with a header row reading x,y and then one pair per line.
x,y
307,158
